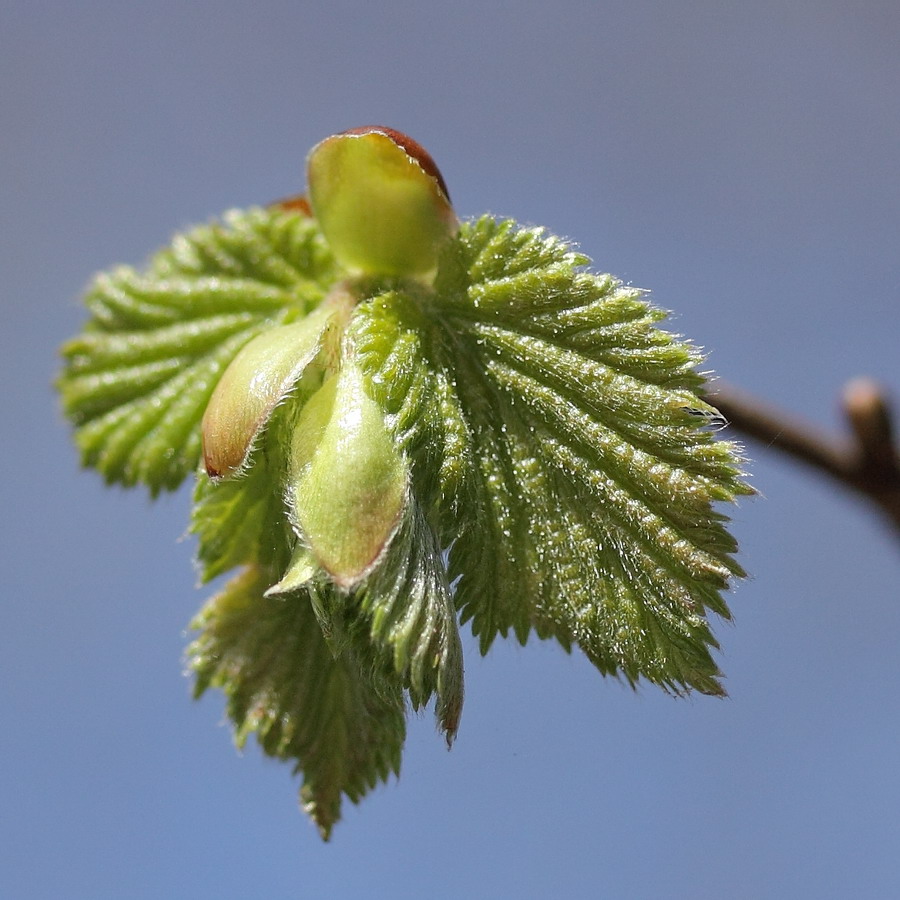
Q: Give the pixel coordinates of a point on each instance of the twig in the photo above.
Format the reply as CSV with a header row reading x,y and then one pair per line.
x,y
867,460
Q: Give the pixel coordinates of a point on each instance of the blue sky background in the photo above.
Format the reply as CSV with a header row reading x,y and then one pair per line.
x,y
740,160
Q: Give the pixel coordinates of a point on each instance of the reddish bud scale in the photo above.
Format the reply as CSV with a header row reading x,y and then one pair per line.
x,y
380,201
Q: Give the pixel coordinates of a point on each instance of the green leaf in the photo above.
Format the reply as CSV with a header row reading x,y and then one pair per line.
x,y
515,442
401,616
408,615
342,725
410,360
241,521
137,382
585,511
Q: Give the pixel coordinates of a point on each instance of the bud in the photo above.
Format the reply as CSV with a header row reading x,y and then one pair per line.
x,y
256,380
348,482
380,201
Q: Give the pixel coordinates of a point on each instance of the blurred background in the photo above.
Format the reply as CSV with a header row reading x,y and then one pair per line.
x,y
740,160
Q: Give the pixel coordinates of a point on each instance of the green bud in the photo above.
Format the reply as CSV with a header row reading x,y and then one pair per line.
x,y
380,201
348,482
257,379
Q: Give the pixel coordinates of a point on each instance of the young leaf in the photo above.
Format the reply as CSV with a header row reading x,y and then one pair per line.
x,y
512,438
137,382
588,498
241,521
342,725
405,609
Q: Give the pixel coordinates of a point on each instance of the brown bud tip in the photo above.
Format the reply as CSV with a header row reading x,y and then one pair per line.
x,y
380,202
867,410
413,149
296,203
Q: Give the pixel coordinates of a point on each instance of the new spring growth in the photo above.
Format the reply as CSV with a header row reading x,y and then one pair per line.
x,y
384,210
403,422
380,201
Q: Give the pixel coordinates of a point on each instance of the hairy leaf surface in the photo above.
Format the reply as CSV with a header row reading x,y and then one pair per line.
x,y
556,429
339,722
516,444
137,382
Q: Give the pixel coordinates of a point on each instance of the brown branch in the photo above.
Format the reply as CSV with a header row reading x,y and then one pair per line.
x,y
866,460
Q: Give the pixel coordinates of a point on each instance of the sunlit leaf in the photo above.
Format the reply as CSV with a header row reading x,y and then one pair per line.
x,y
340,725
137,382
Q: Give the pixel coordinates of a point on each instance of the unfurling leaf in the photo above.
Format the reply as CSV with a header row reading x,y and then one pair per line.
x,y
408,615
342,724
138,380
409,422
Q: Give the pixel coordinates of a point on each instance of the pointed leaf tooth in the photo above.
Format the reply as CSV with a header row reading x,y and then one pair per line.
x,y
301,570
